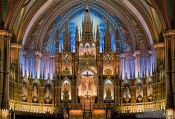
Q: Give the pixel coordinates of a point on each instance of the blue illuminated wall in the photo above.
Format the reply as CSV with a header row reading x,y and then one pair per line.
x,y
129,65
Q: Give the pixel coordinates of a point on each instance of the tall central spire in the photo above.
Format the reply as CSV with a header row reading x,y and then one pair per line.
x,y
87,14
87,25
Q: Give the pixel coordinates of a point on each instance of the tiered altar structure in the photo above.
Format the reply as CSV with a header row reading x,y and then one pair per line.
x,y
86,83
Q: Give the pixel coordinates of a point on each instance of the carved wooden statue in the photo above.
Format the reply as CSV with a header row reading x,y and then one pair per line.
x,y
35,93
24,91
108,93
66,92
127,94
48,95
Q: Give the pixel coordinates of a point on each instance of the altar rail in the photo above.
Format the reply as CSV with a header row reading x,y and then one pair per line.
x,y
31,107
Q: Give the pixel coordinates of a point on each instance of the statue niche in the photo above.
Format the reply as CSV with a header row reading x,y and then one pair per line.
x,y
35,92
48,95
149,89
108,93
139,93
108,90
66,90
126,92
24,91
139,89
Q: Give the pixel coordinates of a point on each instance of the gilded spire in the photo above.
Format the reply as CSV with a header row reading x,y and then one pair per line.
x,y
87,25
87,17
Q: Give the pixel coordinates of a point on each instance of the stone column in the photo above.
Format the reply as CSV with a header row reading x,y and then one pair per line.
x,y
15,49
117,86
5,38
169,38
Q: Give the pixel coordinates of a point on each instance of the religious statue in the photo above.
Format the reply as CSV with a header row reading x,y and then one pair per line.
x,y
150,92
24,90
66,92
149,88
127,94
47,95
139,93
35,93
24,93
108,93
